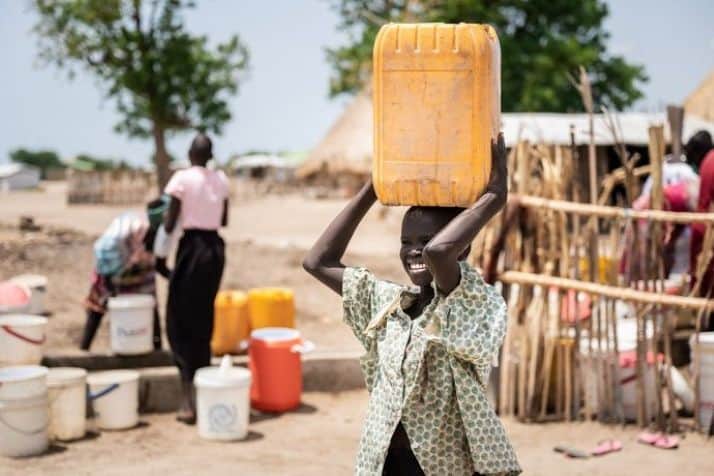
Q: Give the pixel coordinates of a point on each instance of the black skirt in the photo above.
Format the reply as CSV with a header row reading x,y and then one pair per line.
x,y
192,291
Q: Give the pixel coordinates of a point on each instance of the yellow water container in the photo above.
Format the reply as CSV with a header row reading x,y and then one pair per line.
x,y
231,328
271,307
437,106
607,269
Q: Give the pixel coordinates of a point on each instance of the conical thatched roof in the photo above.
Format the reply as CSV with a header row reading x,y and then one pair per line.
x,y
347,147
701,101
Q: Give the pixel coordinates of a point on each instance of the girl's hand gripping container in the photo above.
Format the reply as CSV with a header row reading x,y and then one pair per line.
x,y
436,110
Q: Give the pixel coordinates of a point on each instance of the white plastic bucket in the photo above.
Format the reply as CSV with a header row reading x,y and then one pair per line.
x,y
223,401
131,323
38,291
22,339
67,390
706,376
115,398
23,411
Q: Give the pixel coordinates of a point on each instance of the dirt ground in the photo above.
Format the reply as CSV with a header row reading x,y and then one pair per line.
x,y
321,438
266,241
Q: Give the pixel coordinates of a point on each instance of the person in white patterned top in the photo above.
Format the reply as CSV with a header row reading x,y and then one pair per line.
x,y
429,349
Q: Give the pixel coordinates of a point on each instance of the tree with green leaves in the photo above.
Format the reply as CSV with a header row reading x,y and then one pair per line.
x,y
543,43
44,160
163,78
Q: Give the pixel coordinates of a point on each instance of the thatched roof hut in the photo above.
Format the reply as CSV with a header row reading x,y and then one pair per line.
x,y
347,147
701,102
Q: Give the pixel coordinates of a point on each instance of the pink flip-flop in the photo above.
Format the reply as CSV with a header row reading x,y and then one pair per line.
x,y
666,442
649,437
658,440
606,446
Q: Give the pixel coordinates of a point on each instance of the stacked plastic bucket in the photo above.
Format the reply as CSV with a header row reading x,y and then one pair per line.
x,y
24,411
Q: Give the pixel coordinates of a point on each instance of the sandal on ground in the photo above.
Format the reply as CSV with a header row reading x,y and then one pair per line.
x,y
606,446
570,452
658,440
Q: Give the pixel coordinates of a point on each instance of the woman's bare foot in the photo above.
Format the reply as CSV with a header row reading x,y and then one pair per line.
x,y
187,416
187,411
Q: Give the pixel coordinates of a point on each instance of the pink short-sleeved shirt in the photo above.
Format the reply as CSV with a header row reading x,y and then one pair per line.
x,y
202,192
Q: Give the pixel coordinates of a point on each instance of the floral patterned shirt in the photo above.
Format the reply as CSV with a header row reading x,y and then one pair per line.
x,y
430,373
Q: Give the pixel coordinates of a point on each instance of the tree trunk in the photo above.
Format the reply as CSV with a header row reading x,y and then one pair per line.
x,y
161,156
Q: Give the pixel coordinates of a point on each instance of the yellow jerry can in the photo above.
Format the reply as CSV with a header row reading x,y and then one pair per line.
x,y
271,307
437,106
231,327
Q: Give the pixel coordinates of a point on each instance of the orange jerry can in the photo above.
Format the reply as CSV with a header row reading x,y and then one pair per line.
x,y
271,307
231,326
437,106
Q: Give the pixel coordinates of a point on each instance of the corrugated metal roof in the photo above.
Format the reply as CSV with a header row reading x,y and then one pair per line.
x,y
555,128
8,170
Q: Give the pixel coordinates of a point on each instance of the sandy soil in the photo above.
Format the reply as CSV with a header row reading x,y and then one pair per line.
x,y
322,437
266,241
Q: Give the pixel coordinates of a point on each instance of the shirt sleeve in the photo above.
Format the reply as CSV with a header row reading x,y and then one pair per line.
x,y
473,319
176,187
358,286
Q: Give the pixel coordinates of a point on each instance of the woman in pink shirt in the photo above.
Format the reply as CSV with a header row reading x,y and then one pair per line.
x,y
199,201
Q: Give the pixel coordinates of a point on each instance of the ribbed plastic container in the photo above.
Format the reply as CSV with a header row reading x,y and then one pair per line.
x,y
437,106
271,307
231,328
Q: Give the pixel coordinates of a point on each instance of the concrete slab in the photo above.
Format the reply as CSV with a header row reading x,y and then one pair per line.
x,y
160,387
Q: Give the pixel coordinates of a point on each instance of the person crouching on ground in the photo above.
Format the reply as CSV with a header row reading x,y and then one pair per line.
x,y
199,201
124,264
429,349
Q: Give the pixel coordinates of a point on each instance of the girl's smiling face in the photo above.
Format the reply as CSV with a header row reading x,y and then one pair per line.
x,y
419,226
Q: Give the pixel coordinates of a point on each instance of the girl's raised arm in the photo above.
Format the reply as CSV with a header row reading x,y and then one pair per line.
x,y
442,253
323,261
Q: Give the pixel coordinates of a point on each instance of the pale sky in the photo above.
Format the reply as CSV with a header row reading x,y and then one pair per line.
x,y
283,104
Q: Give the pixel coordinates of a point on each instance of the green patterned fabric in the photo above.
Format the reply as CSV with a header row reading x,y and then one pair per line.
x,y
430,373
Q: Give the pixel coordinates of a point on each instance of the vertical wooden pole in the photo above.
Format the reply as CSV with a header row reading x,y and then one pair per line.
x,y
656,271
675,117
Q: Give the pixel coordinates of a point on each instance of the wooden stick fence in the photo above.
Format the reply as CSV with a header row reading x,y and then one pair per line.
x,y
602,211
556,364
614,292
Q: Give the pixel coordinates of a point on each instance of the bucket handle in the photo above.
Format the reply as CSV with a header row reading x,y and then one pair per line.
x,y
29,340
304,348
101,393
44,426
